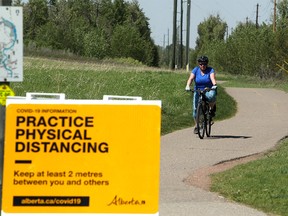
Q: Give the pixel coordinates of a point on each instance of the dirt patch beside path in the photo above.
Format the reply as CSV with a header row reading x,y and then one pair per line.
x,y
201,178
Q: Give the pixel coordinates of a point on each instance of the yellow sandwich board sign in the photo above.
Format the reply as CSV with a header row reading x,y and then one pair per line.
x,y
76,156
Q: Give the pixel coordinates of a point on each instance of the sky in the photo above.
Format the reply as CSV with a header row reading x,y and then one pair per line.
x,y
160,14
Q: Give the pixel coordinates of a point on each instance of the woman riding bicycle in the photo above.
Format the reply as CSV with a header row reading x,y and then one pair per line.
x,y
204,77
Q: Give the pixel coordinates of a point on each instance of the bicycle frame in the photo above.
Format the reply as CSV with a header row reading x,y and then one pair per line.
x,y
203,117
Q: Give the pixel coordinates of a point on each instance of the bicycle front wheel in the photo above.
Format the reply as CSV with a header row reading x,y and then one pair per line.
x,y
200,120
208,125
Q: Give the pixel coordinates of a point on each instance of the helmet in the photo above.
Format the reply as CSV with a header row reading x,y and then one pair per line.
x,y
203,59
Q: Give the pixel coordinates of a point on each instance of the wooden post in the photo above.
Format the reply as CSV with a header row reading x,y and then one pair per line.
x,y
188,34
174,35
274,19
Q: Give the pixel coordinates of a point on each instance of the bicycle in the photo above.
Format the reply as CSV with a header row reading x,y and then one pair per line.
x,y
203,114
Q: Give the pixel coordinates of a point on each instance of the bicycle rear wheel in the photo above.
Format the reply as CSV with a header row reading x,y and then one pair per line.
x,y
200,121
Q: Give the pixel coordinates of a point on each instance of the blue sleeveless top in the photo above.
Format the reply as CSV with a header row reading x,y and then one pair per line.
x,y
202,81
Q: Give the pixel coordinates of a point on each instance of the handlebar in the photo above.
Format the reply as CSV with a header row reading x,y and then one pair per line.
x,y
201,91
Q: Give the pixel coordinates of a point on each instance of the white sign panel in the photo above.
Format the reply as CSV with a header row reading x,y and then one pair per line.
x,y
11,44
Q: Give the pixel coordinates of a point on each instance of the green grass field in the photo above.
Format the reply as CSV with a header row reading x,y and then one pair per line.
x,y
88,80
261,184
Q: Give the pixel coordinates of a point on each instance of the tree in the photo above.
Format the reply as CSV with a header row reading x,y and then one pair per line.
x,y
249,51
96,44
137,18
17,3
6,2
212,29
35,16
91,28
282,33
104,16
282,10
127,45
120,11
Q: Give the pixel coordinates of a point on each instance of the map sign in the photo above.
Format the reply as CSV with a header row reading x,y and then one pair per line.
x,y
11,44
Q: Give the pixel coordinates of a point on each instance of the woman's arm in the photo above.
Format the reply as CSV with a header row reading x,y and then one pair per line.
x,y
213,78
190,79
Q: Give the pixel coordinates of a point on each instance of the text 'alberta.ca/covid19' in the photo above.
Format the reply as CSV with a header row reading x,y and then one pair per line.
x,y
65,134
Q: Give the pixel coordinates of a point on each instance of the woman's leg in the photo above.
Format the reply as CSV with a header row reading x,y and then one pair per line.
x,y
211,97
194,107
195,103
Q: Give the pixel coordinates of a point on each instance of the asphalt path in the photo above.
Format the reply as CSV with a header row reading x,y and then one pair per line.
x,y
261,121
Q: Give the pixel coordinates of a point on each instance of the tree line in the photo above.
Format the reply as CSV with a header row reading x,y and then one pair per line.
x,y
92,28
250,49
119,29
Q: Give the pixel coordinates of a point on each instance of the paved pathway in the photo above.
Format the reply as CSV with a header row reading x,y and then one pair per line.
x,y
260,123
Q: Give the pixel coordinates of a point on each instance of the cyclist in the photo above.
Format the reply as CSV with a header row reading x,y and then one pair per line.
x,y
204,77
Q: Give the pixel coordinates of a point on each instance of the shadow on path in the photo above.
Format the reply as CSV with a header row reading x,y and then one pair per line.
x,y
229,137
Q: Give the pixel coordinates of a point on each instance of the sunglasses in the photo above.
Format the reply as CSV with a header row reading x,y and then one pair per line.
x,y
203,64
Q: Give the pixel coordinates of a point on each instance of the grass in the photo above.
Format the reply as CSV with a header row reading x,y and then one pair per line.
x,y
252,82
261,184
92,80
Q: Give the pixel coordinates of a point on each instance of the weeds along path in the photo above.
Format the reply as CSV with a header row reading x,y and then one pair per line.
x,y
261,121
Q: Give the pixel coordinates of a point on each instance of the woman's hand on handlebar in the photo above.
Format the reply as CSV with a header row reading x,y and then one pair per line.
x,y
214,87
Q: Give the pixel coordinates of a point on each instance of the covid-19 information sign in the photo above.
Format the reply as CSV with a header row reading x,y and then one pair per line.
x,y
82,157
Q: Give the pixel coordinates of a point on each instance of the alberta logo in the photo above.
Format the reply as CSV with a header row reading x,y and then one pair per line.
x,y
120,201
